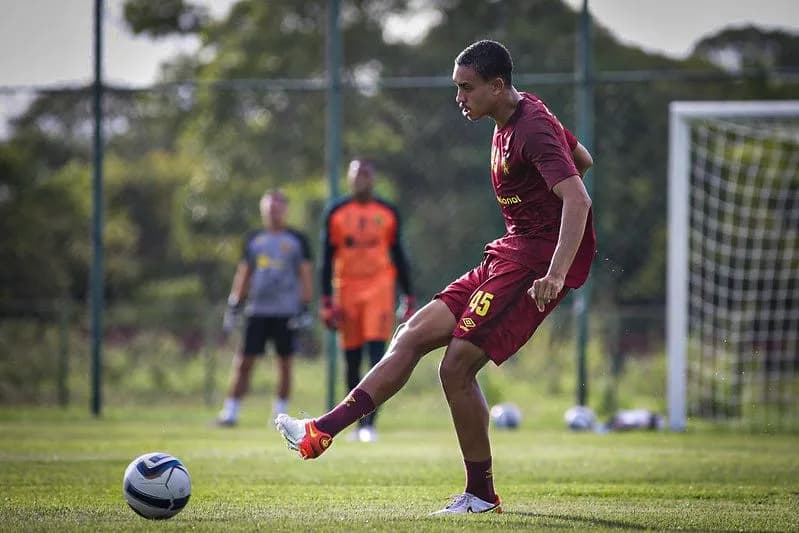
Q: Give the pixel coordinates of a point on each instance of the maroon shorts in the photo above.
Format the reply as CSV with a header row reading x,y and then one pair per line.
x,y
493,308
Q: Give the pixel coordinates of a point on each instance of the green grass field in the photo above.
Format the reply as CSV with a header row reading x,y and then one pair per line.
x,y
63,471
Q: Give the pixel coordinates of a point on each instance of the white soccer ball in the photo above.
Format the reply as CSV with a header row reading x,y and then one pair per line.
x,y
506,416
156,485
580,418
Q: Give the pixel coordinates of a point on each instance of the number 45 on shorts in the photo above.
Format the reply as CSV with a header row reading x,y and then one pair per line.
x,y
480,302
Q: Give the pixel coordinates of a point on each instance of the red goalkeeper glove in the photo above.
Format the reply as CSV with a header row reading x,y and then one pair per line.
x,y
407,307
330,313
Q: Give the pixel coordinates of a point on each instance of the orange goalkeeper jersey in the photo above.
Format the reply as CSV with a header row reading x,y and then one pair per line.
x,y
361,244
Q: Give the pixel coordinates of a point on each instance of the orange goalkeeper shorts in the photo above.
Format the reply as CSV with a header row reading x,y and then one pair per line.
x,y
368,308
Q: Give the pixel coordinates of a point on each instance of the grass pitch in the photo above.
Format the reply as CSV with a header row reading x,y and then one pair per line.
x,y
62,470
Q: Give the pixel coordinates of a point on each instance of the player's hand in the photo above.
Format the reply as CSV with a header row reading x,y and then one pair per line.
x,y
330,313
302,320
544,290
231,317
406,308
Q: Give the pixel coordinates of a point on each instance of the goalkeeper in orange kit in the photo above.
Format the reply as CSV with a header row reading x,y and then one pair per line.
x,y
363,260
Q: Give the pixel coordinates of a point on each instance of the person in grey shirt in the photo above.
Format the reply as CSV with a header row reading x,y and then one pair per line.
x,y
274,277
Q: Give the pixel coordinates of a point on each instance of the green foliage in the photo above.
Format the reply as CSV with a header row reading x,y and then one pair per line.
x,y
162,18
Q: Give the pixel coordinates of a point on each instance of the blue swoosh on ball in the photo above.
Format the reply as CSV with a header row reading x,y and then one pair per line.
x,y
156,470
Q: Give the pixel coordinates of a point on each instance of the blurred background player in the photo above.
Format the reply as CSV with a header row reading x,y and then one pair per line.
x,y
274,276
491,311
362,262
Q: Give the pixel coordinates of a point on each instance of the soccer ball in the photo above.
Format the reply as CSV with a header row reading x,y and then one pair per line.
x,y
580,418
506,416
156,486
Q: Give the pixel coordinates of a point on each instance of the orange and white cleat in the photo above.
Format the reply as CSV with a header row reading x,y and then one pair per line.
x,y
303,436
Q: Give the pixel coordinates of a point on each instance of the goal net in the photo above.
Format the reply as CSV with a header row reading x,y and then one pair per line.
x,y
733,263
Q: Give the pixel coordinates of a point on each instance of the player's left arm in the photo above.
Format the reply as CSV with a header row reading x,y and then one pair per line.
x,y
576,204
582,157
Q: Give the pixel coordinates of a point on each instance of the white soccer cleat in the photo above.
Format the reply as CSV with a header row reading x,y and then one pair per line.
x,y
367,434
292,429
303,436
469,503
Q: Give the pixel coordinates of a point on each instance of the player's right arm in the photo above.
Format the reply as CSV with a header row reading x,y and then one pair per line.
x,y
241,280
241,283
238,291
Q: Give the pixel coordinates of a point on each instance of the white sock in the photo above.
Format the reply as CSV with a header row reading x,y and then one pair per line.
x,y
281,405
230,410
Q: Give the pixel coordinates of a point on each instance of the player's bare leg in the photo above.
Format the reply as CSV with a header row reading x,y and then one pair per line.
x,y
283,363
240,380
431,327
239,383
458,372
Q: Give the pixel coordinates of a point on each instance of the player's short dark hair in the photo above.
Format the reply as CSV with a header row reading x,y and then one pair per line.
x,y
489,59
277,194
365,162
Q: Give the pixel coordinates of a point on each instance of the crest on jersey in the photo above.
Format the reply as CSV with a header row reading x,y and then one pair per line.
x,y
262,261
499,158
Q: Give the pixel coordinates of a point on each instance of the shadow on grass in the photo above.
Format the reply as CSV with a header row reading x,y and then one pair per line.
x,y
610,524
572,518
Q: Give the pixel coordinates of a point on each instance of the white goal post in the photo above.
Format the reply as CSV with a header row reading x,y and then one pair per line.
x,y
685,145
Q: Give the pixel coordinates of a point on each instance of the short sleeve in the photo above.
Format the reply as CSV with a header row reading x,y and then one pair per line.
x,y
245,249
305,249
544,146
571,140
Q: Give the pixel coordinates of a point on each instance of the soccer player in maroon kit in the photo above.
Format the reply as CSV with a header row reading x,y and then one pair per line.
x,y
491,311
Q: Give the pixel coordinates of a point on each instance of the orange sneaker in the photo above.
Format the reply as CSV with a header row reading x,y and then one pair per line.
x,y
303,436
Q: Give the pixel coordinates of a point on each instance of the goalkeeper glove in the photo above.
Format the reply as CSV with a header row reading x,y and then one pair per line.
x,y
331,314
406,308
231,318
302,320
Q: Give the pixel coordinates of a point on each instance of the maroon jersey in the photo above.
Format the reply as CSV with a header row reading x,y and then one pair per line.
x,y
530,154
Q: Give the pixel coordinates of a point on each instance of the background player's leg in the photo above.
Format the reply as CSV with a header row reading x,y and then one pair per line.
x,y
283,363
376,350
469,409
283,338
240,380
352,358
428,329
255,335
239,383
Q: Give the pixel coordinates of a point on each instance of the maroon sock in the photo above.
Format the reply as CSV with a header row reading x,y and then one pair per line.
x,y
480,480
355,406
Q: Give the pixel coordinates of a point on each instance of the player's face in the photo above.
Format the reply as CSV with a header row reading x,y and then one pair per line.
x,y
273,211
360,178
475,97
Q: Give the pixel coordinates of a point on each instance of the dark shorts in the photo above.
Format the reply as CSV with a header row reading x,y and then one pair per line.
x,y
493,308
260,329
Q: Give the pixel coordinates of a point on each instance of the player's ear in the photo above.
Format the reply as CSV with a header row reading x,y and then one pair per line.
x,y
497,85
